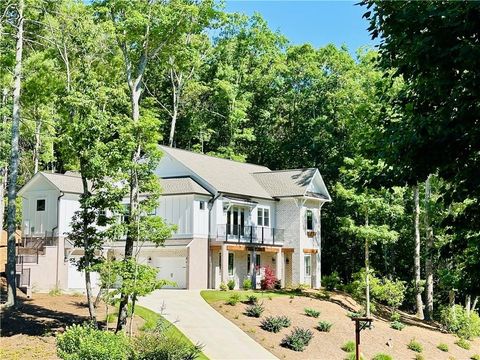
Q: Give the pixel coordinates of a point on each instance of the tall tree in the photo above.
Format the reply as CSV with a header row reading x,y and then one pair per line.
x,y
416,257
428,252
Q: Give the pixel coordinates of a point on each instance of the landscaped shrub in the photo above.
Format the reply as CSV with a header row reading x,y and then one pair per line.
x,y
252,299
475,357
312,312
419,357
269,279
233,299
414,345
231,284
275,323
395,316
324,326
355,314
157,345
223,287
349,346
84,342
254,310
382,357
247,284
442,347
331,281
298,339
397,325
457,320
463,343
352,356
278,285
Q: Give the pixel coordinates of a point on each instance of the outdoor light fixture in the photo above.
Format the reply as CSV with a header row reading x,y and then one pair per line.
x,y
273,259
287,261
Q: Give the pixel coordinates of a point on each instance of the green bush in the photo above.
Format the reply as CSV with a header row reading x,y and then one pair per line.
x,y
351,356
298,339
456,320
419,357
231,284
349,346
233,300
324,326
84,342
156,345
355,314
254,310
275,323
414,345
382,357
331,281
463,343
223,287
312,312
475,357
442,347
252,299
395,316
247,284
397,325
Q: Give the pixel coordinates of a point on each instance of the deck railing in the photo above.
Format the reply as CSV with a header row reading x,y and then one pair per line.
x,y
255,235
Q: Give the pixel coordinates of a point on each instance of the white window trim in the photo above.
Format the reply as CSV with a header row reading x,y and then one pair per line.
x,y
306,220
309,256
264,209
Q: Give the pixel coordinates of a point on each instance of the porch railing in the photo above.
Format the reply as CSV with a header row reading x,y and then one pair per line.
x,y
256,235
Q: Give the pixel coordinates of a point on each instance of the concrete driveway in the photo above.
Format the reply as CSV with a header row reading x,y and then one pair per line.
x,y
202,324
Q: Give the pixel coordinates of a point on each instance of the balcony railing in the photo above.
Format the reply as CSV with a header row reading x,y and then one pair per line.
x,y
257,235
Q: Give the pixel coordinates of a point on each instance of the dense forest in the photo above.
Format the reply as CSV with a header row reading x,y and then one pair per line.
x,y
394,130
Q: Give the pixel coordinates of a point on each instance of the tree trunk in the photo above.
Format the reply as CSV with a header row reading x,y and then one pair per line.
x,y
451,298
4,168
429,253
133,211
36,149
474,305
416,259
367,275
14,160
88,281
468,304
177,83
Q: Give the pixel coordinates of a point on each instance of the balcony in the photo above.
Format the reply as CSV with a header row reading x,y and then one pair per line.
x,y
250,235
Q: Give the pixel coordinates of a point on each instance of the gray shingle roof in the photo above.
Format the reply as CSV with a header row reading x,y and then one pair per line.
x,y
69,183
224,175
285,182
183,185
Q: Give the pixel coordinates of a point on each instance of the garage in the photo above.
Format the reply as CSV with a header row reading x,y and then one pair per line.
x,y
172,268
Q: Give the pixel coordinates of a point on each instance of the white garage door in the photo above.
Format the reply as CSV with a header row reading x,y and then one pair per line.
x,y
172,269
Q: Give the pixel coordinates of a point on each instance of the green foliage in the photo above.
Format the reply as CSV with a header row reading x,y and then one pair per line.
x,y
275,323
349,346
312,312
298,339
223,287
233,300
463,343
395,316
475,357
442,347
247,284
419,357
252,299
415,346
255,310
231,284
352,356
457,320
83,342
156,345
55,292
324,326
331,281
382,357
397,325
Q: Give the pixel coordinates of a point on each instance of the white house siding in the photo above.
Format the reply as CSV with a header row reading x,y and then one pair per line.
x,y
39,221
178,210
200,216
69,204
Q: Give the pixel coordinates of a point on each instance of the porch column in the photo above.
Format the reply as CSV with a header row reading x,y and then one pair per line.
x,y
316,270
224,265
279,266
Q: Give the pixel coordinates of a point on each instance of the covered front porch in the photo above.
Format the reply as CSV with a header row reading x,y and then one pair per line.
x,y
237,262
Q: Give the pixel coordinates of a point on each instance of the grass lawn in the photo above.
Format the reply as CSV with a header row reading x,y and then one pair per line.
x,y
211,296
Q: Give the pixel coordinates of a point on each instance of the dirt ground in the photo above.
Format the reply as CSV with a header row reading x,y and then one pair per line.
x,y
328,345
28,332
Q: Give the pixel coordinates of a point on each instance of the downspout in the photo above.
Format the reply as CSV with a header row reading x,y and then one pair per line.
x,y
209,257
58,238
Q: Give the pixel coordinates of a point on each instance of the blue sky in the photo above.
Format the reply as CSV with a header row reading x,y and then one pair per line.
x,y
315,22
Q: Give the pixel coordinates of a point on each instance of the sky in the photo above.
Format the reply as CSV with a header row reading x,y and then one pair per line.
x,y
316,22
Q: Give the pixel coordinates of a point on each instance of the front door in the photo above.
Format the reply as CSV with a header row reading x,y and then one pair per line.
x,y
236,221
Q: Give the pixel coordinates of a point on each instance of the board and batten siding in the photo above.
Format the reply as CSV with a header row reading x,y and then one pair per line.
x,y
178,210
37,222
68,205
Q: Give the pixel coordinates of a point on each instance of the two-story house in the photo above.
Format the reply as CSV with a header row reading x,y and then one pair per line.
x,y
232,219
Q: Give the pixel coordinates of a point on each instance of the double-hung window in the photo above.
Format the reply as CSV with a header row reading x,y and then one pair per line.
x,y
257,264
263,217
231,260
309,220
308,265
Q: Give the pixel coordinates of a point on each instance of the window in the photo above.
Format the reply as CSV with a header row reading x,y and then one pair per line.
x,y
263,217
202,205
249,264
308,265
309,217
257,264
41,205
102,218
125,214
230,263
